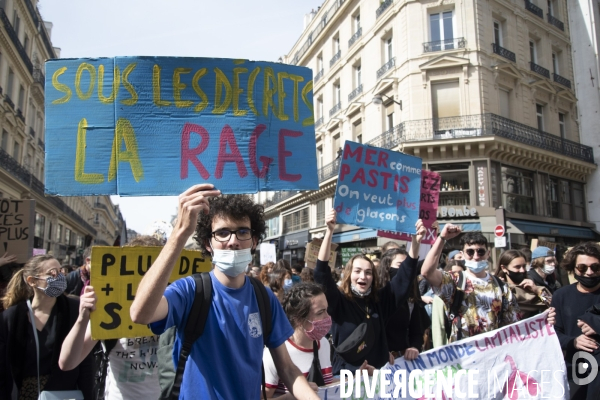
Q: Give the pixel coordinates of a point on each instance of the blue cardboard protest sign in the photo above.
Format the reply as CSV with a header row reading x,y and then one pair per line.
x,y
378,188
157,125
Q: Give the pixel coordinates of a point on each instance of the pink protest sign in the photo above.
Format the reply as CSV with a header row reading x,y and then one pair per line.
x,y
430,195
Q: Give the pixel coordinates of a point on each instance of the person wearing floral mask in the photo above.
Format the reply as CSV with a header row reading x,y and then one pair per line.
x,y
543,267
40,284
486,304
306,307
571,303
228,228
531,299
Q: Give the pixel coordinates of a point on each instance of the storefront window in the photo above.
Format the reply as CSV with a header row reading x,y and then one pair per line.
x,y
517,190
296,221
552,196
565,198
455,188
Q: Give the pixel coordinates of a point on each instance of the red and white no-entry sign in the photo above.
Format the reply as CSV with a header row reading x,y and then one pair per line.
x,y
499,231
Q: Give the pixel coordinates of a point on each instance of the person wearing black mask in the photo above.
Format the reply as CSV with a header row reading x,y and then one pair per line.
x,y
532,299
571,303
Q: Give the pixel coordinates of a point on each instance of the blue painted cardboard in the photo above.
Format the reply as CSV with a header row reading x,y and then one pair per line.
x,y
138,126
378,188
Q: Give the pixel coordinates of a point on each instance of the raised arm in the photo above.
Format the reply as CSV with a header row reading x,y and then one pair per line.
x,y
429,269
78,343
322,273
325,250
149,304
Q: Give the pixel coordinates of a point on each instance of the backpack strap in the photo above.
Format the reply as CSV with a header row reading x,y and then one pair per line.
x,y
503,287
314,373
454,312
264,308
194,326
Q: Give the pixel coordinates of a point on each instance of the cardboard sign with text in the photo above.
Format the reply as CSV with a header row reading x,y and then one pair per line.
x,y
138,126
430,195
17,222
268,253
378,188
312,253
349,252
116,274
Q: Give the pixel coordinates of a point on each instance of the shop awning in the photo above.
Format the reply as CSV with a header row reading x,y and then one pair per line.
x,y
354,236
545,229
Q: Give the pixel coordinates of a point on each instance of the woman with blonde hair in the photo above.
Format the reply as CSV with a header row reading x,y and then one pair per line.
x,y
41,284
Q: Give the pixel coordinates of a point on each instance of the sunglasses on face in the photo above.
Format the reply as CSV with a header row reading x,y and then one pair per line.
x,y
480,252
582,268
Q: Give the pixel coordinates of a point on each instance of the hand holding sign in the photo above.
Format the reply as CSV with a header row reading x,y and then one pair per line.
x,y
7,259
330,219
421,231
87,302
191,202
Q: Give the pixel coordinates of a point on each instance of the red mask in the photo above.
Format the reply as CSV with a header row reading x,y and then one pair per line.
x,y
320,328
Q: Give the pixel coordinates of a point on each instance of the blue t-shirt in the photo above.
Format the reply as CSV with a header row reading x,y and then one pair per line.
x,y
225,362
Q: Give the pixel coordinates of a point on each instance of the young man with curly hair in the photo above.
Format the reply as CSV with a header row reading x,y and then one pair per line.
x,y
225,362
571,303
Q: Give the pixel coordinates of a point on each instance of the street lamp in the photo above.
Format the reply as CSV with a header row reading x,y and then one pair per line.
x,y
378,99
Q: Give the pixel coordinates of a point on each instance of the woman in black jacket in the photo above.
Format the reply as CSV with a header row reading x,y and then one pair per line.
x,y
360,299
42,282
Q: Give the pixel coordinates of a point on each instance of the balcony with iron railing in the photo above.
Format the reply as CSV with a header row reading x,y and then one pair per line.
x,y
355,92
15,40
336,57
539,69
552,20
382,7
355,37
335,109
318,76
529,6
386,67
13,167
38,76
501,51
319,122
443,45
20,115
562,80
460,127
8,101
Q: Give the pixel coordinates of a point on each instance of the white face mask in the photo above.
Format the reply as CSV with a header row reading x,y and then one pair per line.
x,y
476,266
548,269
232,262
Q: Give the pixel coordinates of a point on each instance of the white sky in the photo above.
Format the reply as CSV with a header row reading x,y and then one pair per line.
x,y
257,30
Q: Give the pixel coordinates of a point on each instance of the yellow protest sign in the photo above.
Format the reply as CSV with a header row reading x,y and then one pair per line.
x,y
115,276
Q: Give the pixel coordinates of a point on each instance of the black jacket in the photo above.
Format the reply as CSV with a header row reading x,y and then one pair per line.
x,y
347,313
553,285
15,330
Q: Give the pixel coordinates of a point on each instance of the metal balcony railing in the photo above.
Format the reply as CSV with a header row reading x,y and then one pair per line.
x,y
390,138
563,81
318,76
21,174
8,101
20,115
335,58
38,23
330,170
529,6
539,69
335,109
441,45
384,6
556,22
355,92
386,67
38,76
278,197
501,51
15,40
319,122
355,37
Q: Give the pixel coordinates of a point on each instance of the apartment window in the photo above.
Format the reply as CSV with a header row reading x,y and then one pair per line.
x,y
539,111
389,53
40,226
50,229
561,125
67,236
517,190
21,100
356,22
320,157
336,94
10,83
454,190
532,52
17,151
357,131
445,98
555,63
578,202
336,45
59,234
553,199
389,120
442,30
565,199
26,44
498,33
320,107
16,22
5,141
551,7
319,63
357,76
336,145
273,227
504,102
321,213
296,221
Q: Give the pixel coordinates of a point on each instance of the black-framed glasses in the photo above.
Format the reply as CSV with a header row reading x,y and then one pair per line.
x,y
480,252
223,235
582,268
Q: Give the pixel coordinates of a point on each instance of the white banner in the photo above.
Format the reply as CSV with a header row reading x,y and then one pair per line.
x,y
521,361
267,253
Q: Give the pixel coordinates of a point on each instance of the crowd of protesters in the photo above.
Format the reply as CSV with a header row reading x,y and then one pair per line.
x,y
322,320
